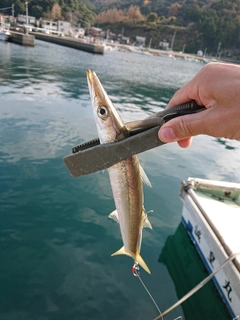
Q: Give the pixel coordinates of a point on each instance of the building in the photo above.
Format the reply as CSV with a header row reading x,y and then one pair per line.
x,y
22,19
164,45
76,32
49,25
63,27
6,21
2,21
95,32
140,41
56,27
124,40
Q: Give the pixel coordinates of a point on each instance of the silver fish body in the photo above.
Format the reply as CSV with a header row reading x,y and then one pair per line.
x,y
125,176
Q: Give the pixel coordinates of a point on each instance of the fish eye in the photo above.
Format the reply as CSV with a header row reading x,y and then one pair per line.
x,y
102,112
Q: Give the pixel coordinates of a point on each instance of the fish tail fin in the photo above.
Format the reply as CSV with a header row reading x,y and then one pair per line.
x,y
142,263
121,251
137,258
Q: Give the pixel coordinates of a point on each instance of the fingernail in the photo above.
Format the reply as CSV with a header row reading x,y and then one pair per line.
x,y
167,135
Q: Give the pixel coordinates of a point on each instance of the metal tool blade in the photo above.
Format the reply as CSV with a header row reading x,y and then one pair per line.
x,y
106,155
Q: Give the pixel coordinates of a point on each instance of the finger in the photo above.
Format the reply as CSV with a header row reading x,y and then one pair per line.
x,y
181,96
190,91
185,143
184,127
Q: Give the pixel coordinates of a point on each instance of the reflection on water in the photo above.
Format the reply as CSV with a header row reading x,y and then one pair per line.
x,y
182,262
56,239
228,144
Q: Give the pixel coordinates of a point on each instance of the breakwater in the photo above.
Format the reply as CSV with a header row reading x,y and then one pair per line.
x,y
70,42
22,38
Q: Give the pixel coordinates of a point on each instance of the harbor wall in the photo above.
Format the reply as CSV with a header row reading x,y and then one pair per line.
x,y
22,39
70,42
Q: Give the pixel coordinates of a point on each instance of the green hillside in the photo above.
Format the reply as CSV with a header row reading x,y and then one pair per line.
x,y
207,25
77,11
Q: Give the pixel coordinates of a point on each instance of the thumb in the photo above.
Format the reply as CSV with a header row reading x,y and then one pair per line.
x,y
179,128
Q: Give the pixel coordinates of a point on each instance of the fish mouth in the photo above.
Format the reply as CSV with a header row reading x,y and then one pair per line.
x,y
90,77
90,81
96,89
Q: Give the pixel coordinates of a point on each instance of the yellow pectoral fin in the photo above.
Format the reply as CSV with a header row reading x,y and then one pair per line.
x,y
121,251
145,221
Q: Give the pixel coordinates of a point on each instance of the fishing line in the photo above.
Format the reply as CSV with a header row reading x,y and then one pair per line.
x,y
136,273
199,286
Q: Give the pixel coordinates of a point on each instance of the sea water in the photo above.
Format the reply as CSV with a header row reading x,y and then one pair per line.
x,y
56,239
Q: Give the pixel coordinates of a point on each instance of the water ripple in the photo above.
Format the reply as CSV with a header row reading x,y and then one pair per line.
x,y
55,236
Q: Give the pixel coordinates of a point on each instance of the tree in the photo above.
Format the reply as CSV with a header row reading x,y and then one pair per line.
x,y
37,11
56,12
134,14
19,7
112,16
173,9
152,17
193,14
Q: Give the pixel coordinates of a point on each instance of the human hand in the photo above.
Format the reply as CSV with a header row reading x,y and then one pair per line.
x,y
217,87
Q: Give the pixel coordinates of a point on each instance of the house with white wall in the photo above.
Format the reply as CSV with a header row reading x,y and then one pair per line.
x,y
49,25
22,19
58,26
63,27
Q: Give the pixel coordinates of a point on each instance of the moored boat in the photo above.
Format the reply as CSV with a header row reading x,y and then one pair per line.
x,y
211,216
140,51
4,34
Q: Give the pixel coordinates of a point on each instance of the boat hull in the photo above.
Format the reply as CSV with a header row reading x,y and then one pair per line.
x,y
215,240
4,35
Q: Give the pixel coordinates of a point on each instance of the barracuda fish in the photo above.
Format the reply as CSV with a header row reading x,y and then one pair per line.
x,y
126,176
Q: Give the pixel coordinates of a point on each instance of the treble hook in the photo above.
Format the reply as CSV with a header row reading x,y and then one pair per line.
x,y
135,269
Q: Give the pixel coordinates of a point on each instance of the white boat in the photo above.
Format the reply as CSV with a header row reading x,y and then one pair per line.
x,y
209,60
168,56
109,47
140,51
4,34
211,216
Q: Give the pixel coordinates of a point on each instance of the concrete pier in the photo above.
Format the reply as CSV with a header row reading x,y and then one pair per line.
x,y
70,42
22,38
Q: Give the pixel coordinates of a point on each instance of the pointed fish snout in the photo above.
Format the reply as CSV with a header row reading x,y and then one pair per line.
x,y
89,76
